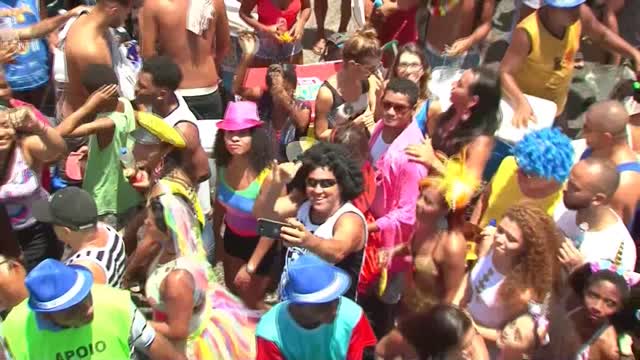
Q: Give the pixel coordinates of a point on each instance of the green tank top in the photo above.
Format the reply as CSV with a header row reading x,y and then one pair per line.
x,y
104,178
105,338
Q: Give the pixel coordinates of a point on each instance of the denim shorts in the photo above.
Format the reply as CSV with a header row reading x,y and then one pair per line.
x,y
436,59
271,49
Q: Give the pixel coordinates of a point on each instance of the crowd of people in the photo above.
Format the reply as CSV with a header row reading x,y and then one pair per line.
x,y
381,221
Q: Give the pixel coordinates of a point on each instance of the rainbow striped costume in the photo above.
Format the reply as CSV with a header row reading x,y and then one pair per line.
x,y
221,327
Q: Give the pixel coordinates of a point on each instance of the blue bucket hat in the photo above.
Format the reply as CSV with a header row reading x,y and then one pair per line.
x,y
54,286
563,3
311,280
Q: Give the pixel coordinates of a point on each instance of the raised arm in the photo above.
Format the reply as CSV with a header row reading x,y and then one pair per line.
x,y
273,202
43,144
72,126
607,38
48,25
249,45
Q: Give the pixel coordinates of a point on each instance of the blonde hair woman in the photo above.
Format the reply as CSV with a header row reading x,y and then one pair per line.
x,y
350,94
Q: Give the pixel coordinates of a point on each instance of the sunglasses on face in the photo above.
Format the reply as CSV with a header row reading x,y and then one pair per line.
x,y
398,108
324,183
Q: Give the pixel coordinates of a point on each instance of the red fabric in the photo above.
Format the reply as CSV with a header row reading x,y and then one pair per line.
x,y
370,270
266,350
399,26
268,13
364,201
362,337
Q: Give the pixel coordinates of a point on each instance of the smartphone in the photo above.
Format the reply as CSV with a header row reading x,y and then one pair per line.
x,y
270,228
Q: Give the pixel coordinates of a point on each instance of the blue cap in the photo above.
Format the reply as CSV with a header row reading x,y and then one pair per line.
x,y
311,280
54,286
563,3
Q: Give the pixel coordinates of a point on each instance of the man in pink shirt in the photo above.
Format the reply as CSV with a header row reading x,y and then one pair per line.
x,y
397,178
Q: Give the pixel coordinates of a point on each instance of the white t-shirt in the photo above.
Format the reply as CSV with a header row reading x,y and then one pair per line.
x,y
378,149
598,245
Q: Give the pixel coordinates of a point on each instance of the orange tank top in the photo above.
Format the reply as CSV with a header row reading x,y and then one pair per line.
x,y
548,69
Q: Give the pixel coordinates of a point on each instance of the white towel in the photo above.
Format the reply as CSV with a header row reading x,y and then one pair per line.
x,y
199,15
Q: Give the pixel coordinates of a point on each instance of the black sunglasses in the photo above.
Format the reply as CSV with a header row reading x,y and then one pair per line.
x,y
324,183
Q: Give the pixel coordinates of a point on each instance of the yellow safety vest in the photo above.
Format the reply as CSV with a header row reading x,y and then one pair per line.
x,y
105,338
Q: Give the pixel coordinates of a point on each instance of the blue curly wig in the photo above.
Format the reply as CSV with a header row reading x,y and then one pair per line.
x,y
546,153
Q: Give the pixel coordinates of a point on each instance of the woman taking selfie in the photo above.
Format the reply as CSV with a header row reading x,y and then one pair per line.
x,y
320,216
243,153
26,144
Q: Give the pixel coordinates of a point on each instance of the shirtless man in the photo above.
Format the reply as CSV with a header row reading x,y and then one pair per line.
x,y
194,44
88,42
605,131
452,39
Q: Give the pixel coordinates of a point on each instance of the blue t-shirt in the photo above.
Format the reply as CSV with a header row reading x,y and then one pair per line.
x,y
421,117
30,69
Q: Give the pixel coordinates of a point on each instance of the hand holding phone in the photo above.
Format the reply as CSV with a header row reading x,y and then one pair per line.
x,y
270,228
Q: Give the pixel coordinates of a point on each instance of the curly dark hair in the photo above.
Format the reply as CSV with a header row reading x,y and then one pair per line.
x,y
335,157
537,269
260,155
582,278
446,325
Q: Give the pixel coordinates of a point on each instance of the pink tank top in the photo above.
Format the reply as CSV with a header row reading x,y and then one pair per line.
x,y
269,14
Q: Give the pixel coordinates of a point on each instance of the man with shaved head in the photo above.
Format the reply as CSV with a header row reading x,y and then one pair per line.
x,y
605,132
587,219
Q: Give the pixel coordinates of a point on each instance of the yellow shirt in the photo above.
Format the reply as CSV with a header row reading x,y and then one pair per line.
x,y
548,69
505,192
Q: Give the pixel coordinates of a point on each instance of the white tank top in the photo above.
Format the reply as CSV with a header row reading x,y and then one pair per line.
x,y
180,114
111,257
483,306
324,231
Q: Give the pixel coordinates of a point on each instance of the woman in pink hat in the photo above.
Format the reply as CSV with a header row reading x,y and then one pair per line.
x,y
243,153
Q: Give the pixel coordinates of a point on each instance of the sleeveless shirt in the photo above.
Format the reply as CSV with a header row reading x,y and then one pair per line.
x,y
352,263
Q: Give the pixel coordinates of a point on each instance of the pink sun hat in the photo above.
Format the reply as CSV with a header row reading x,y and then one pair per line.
x,y
240,115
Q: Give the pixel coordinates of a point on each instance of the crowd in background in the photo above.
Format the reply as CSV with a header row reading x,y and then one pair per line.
x,y
426,204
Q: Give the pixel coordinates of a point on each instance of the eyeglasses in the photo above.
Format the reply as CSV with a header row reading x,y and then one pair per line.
x,y
324,183
409,66
398,108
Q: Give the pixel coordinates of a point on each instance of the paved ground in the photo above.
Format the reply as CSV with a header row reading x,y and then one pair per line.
x,y
592,83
